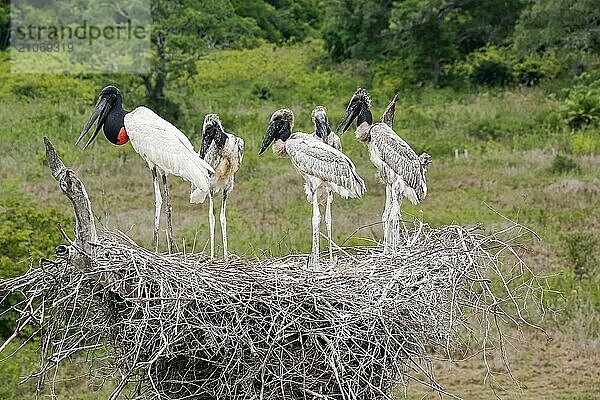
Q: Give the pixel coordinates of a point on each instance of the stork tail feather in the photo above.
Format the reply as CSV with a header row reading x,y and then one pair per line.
x,y
198,195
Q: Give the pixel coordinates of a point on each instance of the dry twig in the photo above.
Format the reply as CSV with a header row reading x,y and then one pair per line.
x,y
184,327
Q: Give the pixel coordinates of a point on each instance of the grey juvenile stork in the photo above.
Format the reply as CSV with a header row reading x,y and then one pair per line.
x,y
164,147
223,152
324,133
318,163
399,167
323,130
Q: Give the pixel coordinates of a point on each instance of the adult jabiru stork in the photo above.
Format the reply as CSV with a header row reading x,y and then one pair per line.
x,y
164,147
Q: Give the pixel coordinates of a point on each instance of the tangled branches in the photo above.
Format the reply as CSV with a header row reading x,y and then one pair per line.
x,y
179,326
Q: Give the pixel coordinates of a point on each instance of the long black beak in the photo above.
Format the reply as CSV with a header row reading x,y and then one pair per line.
x,y
207,138
322,127
101,111
272,130
351,113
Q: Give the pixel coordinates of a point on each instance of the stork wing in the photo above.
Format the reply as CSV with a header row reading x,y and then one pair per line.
x,y
400,158
160,143
312,157
240,144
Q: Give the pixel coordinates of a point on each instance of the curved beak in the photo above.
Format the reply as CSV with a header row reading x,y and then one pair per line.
x,y
207,137
272,130
101,111
351,113
322,127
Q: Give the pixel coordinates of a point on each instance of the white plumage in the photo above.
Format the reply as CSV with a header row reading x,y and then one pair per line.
x,y
162,145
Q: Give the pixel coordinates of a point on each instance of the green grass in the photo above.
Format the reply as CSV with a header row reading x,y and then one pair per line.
x,y
511,137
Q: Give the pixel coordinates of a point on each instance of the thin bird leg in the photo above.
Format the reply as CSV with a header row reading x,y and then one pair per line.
x,y
157,207
316,220
400,222
169,212
395,218
211,223
385,219
223,219
328,221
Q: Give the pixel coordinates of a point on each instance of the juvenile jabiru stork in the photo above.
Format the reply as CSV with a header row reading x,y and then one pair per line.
x,y
323,130
399,167
317,162
324,133
223,152
164,147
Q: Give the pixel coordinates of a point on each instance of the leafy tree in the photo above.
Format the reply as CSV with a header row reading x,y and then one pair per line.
x,y
357,28
4,23
183,31
282,20
559,24
424,34
425,37
264,14
298,19
437,32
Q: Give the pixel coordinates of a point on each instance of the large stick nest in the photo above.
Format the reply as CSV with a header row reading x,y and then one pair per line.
x,y
183,327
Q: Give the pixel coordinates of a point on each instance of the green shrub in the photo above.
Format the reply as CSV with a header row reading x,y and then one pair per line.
x,y
535,68
27,90
492,73
489,66
580,253
582,106
485,130
584,144
28,232
262,92
563,165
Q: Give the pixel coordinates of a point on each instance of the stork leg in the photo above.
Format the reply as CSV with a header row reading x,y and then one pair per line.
x,y
169,213
316,220
211,223
157,207
385,218
328,221
223,219
395,218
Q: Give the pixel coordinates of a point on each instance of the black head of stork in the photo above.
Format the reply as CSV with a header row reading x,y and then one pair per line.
x,y
280,127
359,108
212,130
110,115
319,117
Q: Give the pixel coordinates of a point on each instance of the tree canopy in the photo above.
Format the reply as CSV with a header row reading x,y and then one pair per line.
x,y
427,39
